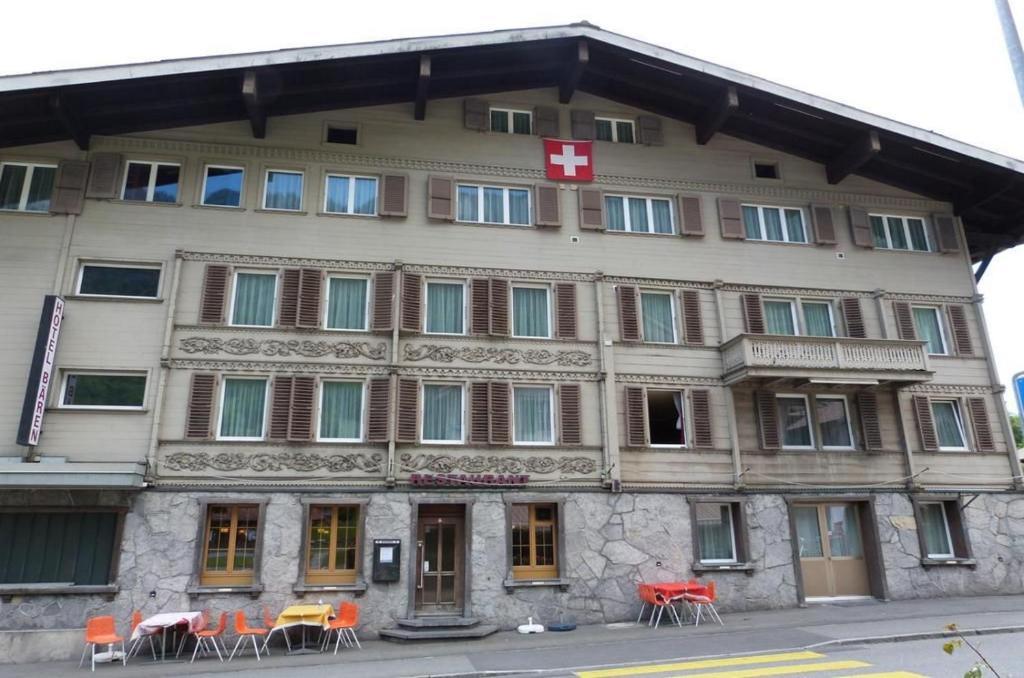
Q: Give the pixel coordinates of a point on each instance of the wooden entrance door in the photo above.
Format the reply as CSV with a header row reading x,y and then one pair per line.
x,y
831,548
440,555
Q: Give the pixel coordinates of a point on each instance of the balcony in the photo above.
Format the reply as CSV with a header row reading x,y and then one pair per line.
x,y
824,360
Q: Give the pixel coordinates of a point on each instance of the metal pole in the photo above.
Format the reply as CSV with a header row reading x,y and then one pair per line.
x,y
1013,46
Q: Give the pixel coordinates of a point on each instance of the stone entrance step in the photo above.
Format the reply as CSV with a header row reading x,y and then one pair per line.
x,y
437,620
437,628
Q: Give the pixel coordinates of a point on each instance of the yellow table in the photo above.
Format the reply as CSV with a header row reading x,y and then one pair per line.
x,y
304,616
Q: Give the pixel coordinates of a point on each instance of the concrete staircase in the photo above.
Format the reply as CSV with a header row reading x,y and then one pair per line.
x,y
429,628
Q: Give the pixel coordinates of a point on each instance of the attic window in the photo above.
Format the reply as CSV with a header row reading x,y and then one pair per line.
x,y
766,170
342,135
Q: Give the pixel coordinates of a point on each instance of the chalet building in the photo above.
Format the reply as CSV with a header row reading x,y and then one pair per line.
x,y
485,327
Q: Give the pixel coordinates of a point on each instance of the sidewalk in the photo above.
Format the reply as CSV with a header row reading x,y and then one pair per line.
x,y
510,652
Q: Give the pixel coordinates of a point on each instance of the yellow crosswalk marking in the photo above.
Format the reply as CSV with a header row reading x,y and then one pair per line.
x,y
701,664
790,670
888,674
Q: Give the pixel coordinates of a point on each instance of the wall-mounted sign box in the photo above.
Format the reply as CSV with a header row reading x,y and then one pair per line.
x,y
387,557
40,375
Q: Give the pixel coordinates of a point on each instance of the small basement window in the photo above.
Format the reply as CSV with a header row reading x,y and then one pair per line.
x,y
342,135
766,170
665,418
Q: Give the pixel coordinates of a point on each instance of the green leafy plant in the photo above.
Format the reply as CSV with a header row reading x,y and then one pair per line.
x,y
951,646
1018,431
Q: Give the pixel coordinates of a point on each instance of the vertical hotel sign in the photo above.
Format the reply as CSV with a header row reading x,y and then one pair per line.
x,y
40,377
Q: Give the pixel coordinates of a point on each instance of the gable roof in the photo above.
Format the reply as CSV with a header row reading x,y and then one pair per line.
x,y
986,188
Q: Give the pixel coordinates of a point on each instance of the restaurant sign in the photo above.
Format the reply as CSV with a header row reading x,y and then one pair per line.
x,y
468,479
40,376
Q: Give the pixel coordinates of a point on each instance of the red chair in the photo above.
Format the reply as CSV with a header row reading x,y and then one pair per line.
x,y
101,631
344,626
704,600
243,631
136,644
270,621
208,637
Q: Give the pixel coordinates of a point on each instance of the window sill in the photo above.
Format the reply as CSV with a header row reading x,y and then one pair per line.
x,y
949,562
229,208
704,568
146,203
114,298
97,410
640,233
358,588
254,590
512,584
57,589
263,210
343,215
29,213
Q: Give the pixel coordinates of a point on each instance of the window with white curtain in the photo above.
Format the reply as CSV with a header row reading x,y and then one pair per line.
x,y
899,233
780,316
795,422
345,194
341,411
716,534
254,296
928,323
443,413
533,418
935,531
799,317
446,307
658,317
26,187
493,205
949,425
509,121
616,130
775,224
531,311
222,186
638,214
243,403
151,181
666,420
283,191
347,303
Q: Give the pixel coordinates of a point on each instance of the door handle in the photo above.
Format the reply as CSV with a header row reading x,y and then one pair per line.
x,y
419,548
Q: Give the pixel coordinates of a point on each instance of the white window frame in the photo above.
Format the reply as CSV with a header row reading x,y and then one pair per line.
x,y
506,211
509,112
220,406
732,533
938,319
649,204
151,187
327,299
426,306
27,183
512,309
686,419
66,373
206,175
266,182
945,524
675,317
763,229
846,414
104,264
810,422
551,416
234,291
615,129
905,224
793,314
350,201
362,411
423,406
802,328
959,416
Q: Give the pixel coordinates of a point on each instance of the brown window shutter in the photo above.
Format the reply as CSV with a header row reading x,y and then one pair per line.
x,y
583,125
408,427
412,302
730,217
199,414
215,290
499,307
946,232
501,418
860,228
565,310
824,224
548,208
693,323
288,304
480,413
69,187
379,410
700,405
280,407
649,132
571,425
545,121
867,406
383,301
393,198
480,306
925,423
636,417
753,314
982,427
629,319
768,420
853,318
104,179
441,198
904,320
476,115
591,209
961,330
691,217
310,293
300,425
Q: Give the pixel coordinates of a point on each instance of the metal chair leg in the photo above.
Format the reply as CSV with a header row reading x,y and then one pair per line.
x,y
85,648
256,647
240,639
641,615
124,657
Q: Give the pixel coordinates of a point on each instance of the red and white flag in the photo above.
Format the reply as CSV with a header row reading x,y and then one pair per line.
x,y
569,160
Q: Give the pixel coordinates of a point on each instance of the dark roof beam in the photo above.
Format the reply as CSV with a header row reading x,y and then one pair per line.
x,y
422,88
855,156
912,169
69,119
979,198
575,71
253,106
711,122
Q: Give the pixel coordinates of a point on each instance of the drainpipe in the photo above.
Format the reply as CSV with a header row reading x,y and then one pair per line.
x,y
879,296
390,479
606,386
65,253
730,402
165,354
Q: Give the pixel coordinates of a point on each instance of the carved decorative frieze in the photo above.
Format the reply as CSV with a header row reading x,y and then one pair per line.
x,y
658,282
486,373
471,271
260,260
948,389
446,463
284,348
271,462
500,356
666,379
270,367
934,298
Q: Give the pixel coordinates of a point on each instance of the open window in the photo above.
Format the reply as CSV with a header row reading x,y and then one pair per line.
x,y
941,530
719,534
666,418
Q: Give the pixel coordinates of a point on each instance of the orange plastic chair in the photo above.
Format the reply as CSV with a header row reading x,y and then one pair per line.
x,y
270,621
101,631
344,626
243,631
704,600
208,637
136,645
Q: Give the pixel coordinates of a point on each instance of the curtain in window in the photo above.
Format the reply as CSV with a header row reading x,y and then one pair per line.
x,y
772,223
624,131
657,316
444,308
337,194
714,529
638,215
603,130
494,205
662,210
752,222
796,427
778,316
530,312
818,319
795,226
468,196
518,206
40,189
284,191
442,412
254,299
532,409
365,197
615,213
341,410
242,415
844,531
947,424
832,422
499,121
677,400
807,532
521,123
926,320
346,304
918,239
936,537
878,231
11,182
899,238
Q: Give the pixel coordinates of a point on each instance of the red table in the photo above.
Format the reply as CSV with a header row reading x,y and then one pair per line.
x,y
673,589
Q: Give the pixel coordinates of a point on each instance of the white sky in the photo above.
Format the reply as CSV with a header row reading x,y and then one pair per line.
x,y
936,64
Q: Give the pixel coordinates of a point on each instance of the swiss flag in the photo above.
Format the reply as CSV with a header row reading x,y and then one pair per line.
x,y
569,160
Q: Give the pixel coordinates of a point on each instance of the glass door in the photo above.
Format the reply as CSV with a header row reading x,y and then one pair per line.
x,y
831,550
439,576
